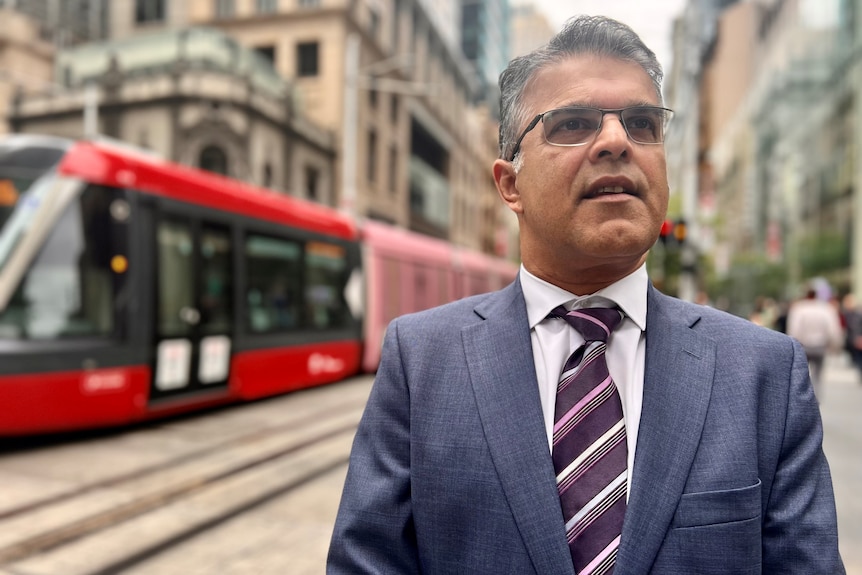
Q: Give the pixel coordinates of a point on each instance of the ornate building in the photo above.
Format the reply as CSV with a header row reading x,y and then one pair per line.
x,y
193,96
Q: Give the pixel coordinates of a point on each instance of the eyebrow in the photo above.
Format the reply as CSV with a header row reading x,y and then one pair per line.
x,y
592,104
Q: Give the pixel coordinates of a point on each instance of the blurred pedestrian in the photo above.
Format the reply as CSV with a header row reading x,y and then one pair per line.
x,y
817,326
781,316
852,320
765,312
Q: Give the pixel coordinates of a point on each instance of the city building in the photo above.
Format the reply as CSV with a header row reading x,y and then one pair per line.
x,y
529,29
776,122
65,22
26,61
388,80
193,96
485,29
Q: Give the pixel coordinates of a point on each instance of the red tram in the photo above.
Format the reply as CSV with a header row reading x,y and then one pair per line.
x,y
133,288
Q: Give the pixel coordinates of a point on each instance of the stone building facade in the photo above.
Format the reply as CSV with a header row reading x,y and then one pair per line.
x,y
193,96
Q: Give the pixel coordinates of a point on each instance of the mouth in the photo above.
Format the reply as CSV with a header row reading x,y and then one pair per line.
x,y
609,191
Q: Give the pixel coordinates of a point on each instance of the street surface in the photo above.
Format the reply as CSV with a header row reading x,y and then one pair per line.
x,y
253,489
841,407
247,489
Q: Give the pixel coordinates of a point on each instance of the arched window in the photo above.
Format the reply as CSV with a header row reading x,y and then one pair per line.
x,y
149,11
267,175
213,159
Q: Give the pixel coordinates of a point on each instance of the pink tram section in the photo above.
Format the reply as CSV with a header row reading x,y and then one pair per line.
x,y
408,272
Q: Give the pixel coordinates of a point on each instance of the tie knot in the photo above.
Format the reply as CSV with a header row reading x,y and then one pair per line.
x,y
594,323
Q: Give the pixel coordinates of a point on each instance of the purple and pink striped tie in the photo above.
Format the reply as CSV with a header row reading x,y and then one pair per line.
x,y
589,446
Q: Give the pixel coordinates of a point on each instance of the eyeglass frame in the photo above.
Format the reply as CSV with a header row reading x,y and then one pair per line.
x,y
618,111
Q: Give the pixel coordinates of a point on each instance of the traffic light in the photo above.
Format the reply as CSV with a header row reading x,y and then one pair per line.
x,y
664,232
680,230
673,232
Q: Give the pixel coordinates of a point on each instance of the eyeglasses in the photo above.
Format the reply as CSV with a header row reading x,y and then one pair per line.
x,y
577,125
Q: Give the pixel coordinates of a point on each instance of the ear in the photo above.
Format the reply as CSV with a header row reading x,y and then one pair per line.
x,y
507,185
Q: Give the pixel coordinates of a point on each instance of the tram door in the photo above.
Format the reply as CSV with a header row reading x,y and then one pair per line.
x,y
194,307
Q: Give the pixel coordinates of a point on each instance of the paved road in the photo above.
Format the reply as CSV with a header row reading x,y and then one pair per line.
x,y
841,406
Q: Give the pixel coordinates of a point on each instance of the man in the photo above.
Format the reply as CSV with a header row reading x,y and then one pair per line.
x,y
816,324
707,456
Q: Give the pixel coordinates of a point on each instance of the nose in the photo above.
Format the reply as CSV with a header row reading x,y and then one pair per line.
x,y
612,139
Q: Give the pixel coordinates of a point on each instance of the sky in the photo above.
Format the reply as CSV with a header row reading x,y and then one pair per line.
x,y
651,19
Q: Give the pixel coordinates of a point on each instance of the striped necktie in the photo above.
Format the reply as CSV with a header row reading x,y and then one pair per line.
x,y
589,446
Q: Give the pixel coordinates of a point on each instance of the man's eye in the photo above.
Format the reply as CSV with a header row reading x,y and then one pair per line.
x,y
572,124
642,123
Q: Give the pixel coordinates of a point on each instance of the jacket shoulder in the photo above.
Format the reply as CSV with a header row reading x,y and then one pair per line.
x,y
466,310
717,323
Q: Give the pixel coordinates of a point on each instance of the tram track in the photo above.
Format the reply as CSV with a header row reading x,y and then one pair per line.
x,y
181,496
150,470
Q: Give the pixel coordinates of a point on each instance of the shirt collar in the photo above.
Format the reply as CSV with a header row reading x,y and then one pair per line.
x,y
629,293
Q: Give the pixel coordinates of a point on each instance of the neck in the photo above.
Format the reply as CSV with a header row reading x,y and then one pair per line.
x,y
583,280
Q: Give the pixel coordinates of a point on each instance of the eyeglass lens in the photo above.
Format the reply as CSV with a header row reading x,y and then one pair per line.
x,y
572,126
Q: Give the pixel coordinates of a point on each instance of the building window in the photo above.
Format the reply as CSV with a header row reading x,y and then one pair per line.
x,y
267,6
267,52
373,23
307,59
309,3
396,24
312,176
213,159
393,171
267,175
393,110
371,166
149,11
225,8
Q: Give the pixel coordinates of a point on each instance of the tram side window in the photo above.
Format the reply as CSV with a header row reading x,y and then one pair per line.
x,y
69,289
390,286
215,296
176,284
274,286
325,270
478,284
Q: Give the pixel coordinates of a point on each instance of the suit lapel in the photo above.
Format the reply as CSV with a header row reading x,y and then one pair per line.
x,y
500,363
677,386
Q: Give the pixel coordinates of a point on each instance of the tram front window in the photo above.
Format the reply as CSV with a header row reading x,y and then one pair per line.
x,y
25,181
68,288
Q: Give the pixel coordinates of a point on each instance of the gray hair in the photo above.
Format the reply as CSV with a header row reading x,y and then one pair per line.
x,y
597,35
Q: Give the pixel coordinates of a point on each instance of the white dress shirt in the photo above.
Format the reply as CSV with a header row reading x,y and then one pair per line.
x,y
554,340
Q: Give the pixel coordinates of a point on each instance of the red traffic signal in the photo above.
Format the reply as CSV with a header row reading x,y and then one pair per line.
x,y
666,228
673,231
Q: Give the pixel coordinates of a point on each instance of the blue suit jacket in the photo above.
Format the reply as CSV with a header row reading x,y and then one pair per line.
x,y
451,473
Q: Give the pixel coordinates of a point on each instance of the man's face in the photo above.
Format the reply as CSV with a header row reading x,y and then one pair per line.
x,y
591,209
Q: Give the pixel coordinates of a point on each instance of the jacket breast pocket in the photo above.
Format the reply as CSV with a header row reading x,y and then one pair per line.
x,y
714,533
717,507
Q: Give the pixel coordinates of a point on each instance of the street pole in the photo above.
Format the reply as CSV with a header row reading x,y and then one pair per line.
x,y
687,285
856,227
350,125
91,110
